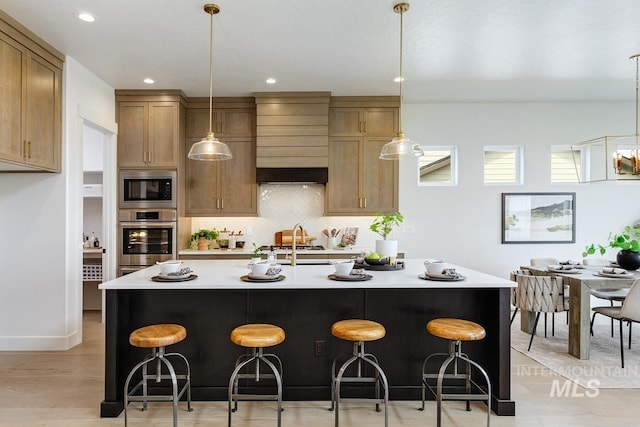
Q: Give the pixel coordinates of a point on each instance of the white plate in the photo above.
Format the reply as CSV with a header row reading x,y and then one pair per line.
x,y
174,277
571,271
617,276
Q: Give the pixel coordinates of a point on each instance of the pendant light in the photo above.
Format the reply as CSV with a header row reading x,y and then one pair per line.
x,y
400,147
210,148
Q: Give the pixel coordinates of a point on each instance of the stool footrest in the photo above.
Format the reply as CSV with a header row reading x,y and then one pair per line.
x,y
241,397
155,397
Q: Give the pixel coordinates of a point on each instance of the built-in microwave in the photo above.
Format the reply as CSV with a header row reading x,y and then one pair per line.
x,y
147,189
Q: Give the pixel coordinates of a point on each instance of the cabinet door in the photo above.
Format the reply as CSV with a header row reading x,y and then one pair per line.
x,y
380,122
201,190
164,123
132,133
343,189
42,117
238,188
197,122
238,123
12,58
380,178
345,121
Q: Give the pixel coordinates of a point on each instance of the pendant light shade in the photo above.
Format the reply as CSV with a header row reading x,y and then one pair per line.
x,y
210,148
400,147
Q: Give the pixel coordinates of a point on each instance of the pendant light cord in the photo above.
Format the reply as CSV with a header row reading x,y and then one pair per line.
x,y
211,74
401,75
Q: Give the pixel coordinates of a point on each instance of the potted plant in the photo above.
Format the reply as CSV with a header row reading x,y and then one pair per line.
x,y
383,225
628,241
256,253
204,237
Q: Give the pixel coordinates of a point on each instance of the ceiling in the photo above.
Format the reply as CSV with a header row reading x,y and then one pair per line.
x,y
454,50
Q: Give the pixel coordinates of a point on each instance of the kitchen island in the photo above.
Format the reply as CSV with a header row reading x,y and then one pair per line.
x,y
305,304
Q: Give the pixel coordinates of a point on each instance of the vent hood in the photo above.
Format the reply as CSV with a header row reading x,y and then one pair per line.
x,y
292,136
292,175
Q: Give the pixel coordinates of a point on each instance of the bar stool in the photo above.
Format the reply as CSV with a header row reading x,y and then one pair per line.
x,y
358,331
456,331
157,337
256,336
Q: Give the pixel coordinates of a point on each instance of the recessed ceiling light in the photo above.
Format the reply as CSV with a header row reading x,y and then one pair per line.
x,y
149,81
86,17
398,79
271,81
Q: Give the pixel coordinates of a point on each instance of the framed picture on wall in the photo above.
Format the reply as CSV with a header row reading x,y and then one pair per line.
x,y
538,217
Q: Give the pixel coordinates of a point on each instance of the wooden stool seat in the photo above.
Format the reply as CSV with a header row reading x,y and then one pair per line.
x,y
257,335
358,330
160,335
456,329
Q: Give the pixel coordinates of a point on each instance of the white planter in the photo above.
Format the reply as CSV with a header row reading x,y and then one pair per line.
x,y
332,242
387,248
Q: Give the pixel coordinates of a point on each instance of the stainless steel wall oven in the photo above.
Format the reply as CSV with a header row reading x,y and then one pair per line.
x,y
145,236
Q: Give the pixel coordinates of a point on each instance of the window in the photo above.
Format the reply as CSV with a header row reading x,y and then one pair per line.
x,y
503,165
438,166
566,164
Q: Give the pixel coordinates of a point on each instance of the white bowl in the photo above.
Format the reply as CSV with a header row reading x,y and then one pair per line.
x,y
260,268
436,267
169,266
343,268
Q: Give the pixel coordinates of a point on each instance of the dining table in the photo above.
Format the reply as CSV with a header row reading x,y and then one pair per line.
x,y
580,281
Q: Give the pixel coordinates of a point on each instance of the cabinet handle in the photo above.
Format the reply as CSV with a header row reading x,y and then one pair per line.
x,y
150,157
365,203
144,157
360,202
29,145
221,203
360,127
24,149
217,203
364,129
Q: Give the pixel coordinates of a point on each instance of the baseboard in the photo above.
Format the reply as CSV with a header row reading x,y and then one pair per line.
x,y
40,343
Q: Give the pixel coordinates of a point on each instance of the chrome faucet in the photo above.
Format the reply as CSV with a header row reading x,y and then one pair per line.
x,y
293,243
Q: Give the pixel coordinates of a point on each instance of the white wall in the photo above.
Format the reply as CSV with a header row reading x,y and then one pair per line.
x,y
462,224
40,225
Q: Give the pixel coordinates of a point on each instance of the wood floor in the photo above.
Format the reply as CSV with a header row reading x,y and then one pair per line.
x,y
65,389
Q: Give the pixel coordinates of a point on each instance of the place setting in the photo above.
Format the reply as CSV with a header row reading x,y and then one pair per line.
x,y
263,272
565,268
440,271
615,272
345,272
171,271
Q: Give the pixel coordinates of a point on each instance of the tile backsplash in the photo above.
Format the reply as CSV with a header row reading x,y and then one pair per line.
x,y
281,207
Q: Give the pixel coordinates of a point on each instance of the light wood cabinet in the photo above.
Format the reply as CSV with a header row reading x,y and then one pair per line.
x,y
148,134
226,188
232,122
359,182
30,102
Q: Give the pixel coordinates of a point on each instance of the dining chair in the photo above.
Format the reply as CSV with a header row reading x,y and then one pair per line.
x,y
539,294
546,262
629,312
514,291
610,295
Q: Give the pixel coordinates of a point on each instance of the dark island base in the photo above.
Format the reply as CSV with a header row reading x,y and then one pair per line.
x,y
306,316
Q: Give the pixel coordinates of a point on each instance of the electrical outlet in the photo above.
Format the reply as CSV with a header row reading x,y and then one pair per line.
x,y
319,348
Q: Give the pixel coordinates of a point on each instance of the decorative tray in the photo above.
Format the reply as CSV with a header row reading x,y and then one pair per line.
x,y
350,278
246,278
166,280
398,266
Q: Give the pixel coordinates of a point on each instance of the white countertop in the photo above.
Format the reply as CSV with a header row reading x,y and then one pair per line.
x,y
225,274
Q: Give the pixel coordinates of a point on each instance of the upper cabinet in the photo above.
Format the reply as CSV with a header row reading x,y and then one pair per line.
x,y
30,101
359,182
149,128
225,188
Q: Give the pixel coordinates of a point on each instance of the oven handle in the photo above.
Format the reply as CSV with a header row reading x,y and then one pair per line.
x,y
147,224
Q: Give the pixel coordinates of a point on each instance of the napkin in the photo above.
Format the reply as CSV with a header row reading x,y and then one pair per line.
x,y
569,262
559,267
447,273
613,270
